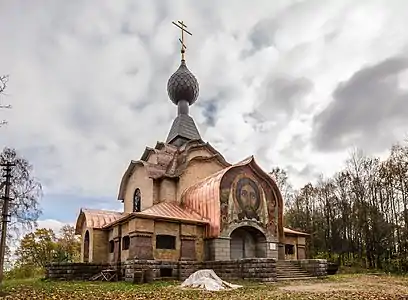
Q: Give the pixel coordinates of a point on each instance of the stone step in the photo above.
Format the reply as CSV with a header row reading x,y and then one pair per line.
x,y
283,277
293,274
292,271
286,270
296,278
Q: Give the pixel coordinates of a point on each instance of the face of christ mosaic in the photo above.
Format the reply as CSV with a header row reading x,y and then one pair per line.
x,y
243,198
248,198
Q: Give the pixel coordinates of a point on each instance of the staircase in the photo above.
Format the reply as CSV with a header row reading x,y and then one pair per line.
x,y
286,270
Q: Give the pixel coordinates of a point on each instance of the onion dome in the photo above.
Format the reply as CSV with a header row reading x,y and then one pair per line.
x,y
182,85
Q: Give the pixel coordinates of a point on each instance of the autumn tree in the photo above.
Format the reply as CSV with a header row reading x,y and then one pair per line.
x,y
359,216
26,192
43,246
68,245
282,181
37,248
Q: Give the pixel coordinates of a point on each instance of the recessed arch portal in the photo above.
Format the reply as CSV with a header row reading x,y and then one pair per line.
x,y
247,242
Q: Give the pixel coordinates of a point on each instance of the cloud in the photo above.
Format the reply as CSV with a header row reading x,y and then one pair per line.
x,y
88,85
283,95
366,109
54,225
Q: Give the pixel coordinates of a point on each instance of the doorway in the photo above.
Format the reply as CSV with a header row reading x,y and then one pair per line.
x,y
247,242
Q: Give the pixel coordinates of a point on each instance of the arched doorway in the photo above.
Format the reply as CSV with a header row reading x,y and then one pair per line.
x,y
247,242
86,246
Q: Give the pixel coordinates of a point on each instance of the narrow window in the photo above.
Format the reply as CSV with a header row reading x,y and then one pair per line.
x,y
125,242
289,249
137,198
111,246
165,242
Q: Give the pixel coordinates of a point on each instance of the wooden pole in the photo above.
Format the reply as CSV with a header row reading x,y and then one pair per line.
x,y
5,215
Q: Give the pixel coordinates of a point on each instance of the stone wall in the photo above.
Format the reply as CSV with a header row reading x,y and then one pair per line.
x,y
173,270
73,271
316,267
258,269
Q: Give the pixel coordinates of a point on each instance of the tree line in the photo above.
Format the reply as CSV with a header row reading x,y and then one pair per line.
x,y
357,217
42,246
39,246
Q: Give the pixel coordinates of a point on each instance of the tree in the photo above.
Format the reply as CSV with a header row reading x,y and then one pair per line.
x,y
43,246
68,245
37,248
26,192
282,181
360,215
3,85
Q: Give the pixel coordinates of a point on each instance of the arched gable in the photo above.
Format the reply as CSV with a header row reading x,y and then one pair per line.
x,y
206,197
126,176
95,219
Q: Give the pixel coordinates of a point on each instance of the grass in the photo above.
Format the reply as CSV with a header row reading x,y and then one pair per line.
x,y
357,286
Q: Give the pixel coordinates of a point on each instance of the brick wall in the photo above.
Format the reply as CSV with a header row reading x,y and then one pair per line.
x,y
73,271
257,269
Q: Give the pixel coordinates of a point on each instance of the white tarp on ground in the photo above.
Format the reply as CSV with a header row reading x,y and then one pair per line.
x,y
208,280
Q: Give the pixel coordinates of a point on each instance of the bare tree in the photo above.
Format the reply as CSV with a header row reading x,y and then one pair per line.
x,y
3,85
359,216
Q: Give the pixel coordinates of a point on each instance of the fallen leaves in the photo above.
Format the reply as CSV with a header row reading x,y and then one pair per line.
x,y
343,287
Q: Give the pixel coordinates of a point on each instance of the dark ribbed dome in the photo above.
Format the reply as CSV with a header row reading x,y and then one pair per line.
x,y
182,85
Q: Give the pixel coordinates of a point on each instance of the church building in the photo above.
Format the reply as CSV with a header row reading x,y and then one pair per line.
x,y
183,201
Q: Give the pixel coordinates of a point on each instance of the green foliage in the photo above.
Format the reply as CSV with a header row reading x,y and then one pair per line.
x,y
41,247
24,271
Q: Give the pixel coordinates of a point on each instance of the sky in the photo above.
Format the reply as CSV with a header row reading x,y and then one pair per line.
x,y
297,84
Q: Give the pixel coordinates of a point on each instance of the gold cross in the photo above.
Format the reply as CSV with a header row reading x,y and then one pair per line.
x,y
183,27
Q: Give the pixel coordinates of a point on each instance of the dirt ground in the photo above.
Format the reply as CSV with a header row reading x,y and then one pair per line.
x,y
384,284
338,287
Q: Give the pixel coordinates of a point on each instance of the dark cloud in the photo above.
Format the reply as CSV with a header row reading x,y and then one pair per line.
x,y
283,94
210,113
262,35
307,173
365,109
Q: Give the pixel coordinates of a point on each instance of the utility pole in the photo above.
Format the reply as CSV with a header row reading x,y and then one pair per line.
x,y
5,213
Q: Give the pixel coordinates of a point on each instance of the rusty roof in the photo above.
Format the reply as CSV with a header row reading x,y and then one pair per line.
x,y
95,218
171,210
203,197
294,232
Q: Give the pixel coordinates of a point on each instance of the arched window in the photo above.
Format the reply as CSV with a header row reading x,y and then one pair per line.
x,y
111,246
125,242
137,198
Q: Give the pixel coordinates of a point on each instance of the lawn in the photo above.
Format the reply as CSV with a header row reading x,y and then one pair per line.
x,y
336,287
